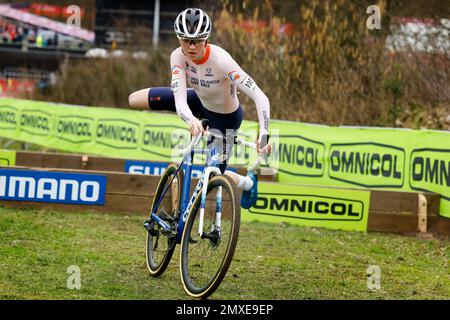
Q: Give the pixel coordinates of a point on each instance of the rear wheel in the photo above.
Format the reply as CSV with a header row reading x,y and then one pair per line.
x,y
205,257
161,243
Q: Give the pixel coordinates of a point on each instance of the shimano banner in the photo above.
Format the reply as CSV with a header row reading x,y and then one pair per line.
x,y
59,187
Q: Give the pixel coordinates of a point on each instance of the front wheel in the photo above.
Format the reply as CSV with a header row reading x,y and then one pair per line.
x,y
206,254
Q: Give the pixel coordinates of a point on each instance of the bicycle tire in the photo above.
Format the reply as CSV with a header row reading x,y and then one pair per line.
x,y
187,268
155,265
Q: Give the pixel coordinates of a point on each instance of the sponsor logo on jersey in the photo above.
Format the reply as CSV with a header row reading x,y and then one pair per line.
x,y
209,73
194,81
207,84
249,82
233,75
175,84
176,70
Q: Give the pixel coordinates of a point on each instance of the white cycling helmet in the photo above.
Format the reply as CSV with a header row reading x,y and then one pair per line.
x,y
192,23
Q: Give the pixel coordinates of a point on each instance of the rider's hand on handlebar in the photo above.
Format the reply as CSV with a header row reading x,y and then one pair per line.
x,y
196,127
266,149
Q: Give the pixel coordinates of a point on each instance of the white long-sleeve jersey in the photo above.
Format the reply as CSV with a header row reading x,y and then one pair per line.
x,y
214,80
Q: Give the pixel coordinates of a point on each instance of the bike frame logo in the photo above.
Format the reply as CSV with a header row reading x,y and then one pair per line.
x,y
117,133
36,122
59,187
430,171
367,164
308,207
75,129
299,156
8,118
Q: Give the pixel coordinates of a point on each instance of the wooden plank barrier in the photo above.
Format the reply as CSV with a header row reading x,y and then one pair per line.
x,y
125,193
406,212
94,163
389,211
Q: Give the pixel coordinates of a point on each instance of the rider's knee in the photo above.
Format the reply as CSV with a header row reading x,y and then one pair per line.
x,y
132,99
138,99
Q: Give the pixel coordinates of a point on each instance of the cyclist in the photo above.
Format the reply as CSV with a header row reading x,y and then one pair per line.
x,y
214,77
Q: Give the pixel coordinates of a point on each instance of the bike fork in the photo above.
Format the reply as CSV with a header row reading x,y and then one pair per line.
x,y
218,208
208,172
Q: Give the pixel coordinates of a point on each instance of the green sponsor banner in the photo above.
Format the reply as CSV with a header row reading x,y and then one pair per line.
x,y
117,133
9,116
430,171
367,164
298,156
356,157
105,131
36,122
361,157
7,158
341,209
74,129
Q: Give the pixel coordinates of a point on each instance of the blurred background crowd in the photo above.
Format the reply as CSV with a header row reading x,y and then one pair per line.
x,y
316,60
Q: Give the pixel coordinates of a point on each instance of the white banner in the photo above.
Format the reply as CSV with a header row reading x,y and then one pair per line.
x,y
46,23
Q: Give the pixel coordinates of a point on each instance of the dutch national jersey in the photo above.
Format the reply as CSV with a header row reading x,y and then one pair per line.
x,y
215,80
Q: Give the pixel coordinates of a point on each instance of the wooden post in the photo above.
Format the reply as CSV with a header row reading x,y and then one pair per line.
x,y
84,161
422,212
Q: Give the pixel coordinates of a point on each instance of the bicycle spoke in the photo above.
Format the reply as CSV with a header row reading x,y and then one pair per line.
x,y
156,243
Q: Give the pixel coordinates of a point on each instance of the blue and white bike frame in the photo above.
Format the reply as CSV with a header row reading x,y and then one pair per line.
x,y
186,203
212,161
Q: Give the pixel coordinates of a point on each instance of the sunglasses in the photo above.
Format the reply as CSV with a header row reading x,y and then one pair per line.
x,y
196,42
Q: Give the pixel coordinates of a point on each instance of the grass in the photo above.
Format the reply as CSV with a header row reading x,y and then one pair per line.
x,y
272,261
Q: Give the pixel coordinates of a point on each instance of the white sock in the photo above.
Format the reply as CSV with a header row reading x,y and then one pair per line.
x,y
245,183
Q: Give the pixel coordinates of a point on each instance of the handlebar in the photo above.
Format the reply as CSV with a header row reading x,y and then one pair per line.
x,y
196,139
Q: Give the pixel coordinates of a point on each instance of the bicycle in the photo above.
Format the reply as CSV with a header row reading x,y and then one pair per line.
x,y
205,224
